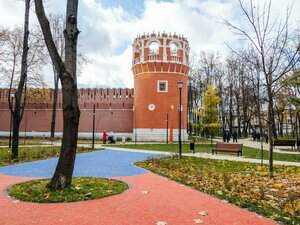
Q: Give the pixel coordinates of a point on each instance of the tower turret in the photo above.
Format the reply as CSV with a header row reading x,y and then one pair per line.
x,y
159,62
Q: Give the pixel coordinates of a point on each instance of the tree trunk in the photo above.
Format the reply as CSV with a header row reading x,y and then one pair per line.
x,y
230,109
15,137
270,131
18,110
67,74
273,121
53,119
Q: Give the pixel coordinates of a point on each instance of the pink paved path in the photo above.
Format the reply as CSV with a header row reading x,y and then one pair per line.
x,y
150,199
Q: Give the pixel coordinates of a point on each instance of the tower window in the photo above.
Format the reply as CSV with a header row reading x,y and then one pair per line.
x,y
162,86
154,48
173,48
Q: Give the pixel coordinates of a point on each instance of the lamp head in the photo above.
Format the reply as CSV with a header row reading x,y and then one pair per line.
x,y
180,84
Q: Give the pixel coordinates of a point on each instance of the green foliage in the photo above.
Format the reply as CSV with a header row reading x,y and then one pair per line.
x,y
82,189
294,80
243,184
209,113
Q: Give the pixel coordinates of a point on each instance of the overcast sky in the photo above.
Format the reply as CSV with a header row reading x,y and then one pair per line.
x,y
108,28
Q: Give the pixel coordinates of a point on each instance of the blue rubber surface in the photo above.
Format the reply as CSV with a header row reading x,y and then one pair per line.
x,y
104,163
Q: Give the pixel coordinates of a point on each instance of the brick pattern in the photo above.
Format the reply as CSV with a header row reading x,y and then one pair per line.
x,y
113,111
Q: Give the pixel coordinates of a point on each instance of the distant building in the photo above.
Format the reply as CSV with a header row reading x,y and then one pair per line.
x,y
149,112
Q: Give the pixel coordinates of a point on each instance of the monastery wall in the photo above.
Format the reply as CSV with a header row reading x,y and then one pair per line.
x,y
113,111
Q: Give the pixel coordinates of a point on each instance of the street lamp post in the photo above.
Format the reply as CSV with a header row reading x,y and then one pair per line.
x,y
11,119
134,117
180,85
167,133
93,144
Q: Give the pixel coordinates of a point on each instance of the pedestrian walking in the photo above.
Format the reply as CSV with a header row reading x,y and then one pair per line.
x,y
224,136
227,136
258,136
254,135
104,137
234,136
266,137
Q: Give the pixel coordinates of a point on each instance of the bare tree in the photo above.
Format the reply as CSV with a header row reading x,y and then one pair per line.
x,y
16,76
270,39
18,110
58,24
67,74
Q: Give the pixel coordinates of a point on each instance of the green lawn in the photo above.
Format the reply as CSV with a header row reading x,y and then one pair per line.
x,y
25,141
28,154
82,189
243,184
206,148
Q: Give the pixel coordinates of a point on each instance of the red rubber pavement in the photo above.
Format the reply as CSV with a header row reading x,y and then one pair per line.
x,y
151,199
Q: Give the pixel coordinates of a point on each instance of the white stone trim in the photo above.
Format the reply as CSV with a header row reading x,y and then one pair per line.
x,y
162,81
81,135
146,134
143,52
165,50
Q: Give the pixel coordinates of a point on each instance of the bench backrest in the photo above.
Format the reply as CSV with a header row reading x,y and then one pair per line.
x,y
229,146
288,142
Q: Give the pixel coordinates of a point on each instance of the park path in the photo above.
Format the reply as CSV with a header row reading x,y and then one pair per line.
x,y
151,200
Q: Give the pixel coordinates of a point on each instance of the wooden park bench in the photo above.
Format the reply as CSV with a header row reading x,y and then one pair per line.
x,y
290,143
225,147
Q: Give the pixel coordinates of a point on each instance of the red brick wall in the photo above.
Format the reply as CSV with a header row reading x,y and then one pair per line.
x,y
113,111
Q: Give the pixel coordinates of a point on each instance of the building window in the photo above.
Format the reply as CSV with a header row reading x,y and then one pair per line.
x,y
153,48
173,49
162,86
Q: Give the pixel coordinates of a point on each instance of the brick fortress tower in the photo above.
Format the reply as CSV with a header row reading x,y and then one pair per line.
x,y
159,62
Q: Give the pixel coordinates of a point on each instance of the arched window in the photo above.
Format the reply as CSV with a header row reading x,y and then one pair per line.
x,y
154,48
137,48
173,49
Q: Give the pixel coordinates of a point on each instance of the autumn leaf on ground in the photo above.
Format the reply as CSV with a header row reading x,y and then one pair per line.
x,y
161,223
203,213
198,221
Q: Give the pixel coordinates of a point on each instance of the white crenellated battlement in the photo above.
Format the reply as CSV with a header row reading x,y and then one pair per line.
x,y
160,47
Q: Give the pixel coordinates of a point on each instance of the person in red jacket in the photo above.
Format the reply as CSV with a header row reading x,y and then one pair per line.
x,y
104,137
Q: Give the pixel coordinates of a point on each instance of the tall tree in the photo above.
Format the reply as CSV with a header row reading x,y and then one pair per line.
x,y
209,113
270,39
14,75
57,27
67,74
18,110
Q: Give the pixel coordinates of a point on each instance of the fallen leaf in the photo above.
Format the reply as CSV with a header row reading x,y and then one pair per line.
x,y
198,221
161,223
145,192
203,213
224,201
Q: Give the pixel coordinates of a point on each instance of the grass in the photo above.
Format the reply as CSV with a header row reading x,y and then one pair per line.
x,y
82,189
24,141
243,184
35,191
44,141
29,154
206,148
